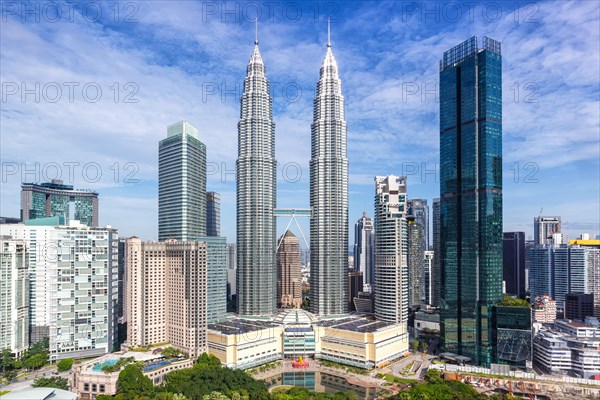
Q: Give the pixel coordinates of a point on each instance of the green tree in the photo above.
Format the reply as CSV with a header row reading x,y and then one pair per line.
x,y
52,382
215,396
170,352
433,375
424,347
208,376
10,374
65,365
208,361
169,396
508,301
132,382
414,345
37,355
35,361
8,365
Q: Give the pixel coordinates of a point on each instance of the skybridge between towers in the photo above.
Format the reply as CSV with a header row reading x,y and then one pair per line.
x,y
293,213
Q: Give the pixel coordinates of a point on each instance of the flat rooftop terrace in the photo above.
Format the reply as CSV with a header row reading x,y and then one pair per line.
x,y
240,326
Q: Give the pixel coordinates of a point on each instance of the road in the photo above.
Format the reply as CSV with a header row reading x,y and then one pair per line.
x,y
23,383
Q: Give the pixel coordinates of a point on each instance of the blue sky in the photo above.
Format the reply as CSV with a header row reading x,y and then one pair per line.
x,y
89,89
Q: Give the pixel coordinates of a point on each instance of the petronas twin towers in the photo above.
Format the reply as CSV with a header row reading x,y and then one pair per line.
x,y
256,195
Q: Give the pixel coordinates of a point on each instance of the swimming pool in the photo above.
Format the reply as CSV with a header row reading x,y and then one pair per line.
x,y
98,367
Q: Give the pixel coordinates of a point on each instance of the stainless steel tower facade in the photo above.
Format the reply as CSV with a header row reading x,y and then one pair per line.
x,y
329,195
256,194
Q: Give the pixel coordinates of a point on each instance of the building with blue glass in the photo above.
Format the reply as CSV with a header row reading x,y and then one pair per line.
x,y
213,214
471,197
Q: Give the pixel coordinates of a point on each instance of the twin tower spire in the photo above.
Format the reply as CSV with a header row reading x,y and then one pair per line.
x,y
256,194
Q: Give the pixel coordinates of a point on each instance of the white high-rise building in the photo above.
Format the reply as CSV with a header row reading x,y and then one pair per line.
x,y
391,249
544,228
73,271
329,195
14,295
256,194
428,276
42,258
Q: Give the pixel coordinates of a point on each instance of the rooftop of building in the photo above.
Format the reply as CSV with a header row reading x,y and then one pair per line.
x,y
56,185
574,324
41,393
356,324
151,360
239,326
295,316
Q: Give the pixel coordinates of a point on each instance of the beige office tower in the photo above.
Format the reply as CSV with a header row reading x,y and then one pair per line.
x,y
166,294
289,275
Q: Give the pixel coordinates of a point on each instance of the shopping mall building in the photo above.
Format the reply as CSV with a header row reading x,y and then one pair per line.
x,y
351,340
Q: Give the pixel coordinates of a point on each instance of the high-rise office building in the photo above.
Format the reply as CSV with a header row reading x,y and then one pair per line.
x,y
544,228
213,214
391,249
181,184
428,276
329,195
73,279
363,251
416,255
167,294
513,248
289,276
231,271
436,281
578,306
556,270
14,295
256,194
419,209
216,258
56,199
471,197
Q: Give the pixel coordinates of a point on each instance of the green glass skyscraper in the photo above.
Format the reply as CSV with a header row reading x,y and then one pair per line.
x,y
181,184
471,197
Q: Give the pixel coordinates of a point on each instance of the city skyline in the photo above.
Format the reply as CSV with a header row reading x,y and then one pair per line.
x,y
404,120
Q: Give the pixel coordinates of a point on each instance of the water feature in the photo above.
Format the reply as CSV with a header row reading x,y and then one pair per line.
x,y
318,381
107,363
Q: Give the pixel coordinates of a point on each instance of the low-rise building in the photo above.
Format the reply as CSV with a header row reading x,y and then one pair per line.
x,y
577,329
426,321
352,340
243,343
513,331
88,379
568,348
544,309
